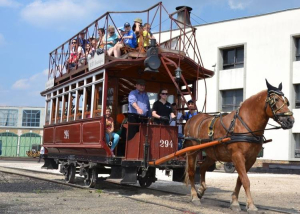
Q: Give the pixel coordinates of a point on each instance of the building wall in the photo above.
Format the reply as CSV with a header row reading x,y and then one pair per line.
x,y
268,53
21,131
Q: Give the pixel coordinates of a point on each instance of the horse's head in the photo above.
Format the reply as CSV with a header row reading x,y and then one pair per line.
x,y
278,107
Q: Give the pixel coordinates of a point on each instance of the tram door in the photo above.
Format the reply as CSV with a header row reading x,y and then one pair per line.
x,y
26,142
9,144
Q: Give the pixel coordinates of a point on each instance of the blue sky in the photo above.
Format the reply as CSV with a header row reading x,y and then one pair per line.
x,y
31,29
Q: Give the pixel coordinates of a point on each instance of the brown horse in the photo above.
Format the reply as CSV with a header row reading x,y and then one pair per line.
x,y
245,127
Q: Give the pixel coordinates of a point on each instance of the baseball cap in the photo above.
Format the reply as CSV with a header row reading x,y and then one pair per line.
x,y
127,24
190,101
141,82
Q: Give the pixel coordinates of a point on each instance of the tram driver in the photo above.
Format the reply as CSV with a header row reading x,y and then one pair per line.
x,y
138,108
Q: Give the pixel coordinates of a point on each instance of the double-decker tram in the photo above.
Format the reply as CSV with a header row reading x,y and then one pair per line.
x,y
83,84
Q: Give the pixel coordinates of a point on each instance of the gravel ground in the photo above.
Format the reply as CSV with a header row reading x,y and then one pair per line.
x,y
271,190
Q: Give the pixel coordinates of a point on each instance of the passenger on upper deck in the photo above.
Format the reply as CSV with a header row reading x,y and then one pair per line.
x,y
162,109
76,52
146,35
136,27
112,138
112,39
192,111
139,105
82,40
100,46
129,40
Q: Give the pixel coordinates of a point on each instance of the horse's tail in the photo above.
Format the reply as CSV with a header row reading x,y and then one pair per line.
x,y
186,172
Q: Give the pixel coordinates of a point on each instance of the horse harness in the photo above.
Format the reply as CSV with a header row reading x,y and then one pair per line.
x,y
272,98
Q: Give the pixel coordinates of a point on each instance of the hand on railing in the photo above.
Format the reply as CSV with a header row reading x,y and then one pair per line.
x,y
164,118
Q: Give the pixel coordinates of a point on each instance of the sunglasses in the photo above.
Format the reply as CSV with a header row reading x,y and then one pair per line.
x,y
73,42
112,32
164,93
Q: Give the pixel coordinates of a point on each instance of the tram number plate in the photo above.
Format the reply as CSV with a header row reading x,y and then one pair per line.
x,y
166,143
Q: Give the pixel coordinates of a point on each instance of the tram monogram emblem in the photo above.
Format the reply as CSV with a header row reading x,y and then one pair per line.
x,y
66,134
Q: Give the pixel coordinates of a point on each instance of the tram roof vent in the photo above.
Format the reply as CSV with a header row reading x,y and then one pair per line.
x,y
184,17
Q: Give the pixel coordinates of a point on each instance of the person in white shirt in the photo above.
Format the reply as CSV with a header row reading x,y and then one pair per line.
x,y
174,123
42,152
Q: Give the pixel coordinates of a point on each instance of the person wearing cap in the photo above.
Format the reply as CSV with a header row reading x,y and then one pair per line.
x,y
137,25
128,39
192,111
138,107
162,109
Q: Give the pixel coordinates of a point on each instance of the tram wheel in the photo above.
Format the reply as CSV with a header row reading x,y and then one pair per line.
x,y
144,182
70,173
229,167
91,178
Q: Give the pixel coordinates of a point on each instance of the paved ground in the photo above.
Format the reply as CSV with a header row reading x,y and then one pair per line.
x,y
272,190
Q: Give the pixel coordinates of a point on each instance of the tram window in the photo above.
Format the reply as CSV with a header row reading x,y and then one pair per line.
x,y
98,100
73,86
72,106
110,97
89,80
65,108
66,88
59,110
99,76
81,83
79,104
88,102
297,93
54,93
48,96
47,112
53,110
60,91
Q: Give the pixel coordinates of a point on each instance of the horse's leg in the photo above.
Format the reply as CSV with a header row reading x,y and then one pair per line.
x,y
190,175
235,205
242,167
208,162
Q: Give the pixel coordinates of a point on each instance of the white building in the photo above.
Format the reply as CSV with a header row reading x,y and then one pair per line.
x,y
245,51
20,128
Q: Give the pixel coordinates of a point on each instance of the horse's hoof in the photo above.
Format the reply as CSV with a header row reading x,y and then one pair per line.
x,y
235,208
196,202
199,195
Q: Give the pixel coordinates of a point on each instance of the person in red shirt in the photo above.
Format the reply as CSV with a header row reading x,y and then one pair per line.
x,y
112,138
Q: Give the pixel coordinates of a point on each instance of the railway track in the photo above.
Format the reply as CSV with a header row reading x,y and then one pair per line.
x,y
129,191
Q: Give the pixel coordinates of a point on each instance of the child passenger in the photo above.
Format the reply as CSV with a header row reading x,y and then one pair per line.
x,y
110,136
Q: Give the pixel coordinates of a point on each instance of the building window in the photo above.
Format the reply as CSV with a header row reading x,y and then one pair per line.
x,y
8,117
297,40
233,58
297,145
231,99
31,118
297,96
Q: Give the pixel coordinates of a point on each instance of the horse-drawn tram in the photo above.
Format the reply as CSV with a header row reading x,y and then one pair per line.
x,y
95,71
96,86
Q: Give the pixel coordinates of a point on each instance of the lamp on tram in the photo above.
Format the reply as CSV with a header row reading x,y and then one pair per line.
x,y
152,62
178,73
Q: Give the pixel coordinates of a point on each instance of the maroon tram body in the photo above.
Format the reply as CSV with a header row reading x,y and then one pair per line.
x,y
77,95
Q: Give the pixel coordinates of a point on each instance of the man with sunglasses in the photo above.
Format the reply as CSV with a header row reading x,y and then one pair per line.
x,y
192,110
162,109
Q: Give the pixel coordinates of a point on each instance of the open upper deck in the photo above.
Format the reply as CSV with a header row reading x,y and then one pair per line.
x,y
176,48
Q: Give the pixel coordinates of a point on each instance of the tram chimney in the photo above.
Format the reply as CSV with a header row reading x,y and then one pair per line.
x,y
184,15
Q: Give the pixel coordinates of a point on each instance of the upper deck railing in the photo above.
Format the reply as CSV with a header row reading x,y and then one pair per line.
x,y
178,36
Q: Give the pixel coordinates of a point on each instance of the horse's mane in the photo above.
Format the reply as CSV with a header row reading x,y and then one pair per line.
x,y
254,97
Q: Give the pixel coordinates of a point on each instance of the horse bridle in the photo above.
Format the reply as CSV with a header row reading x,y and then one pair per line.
x,y
272,99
